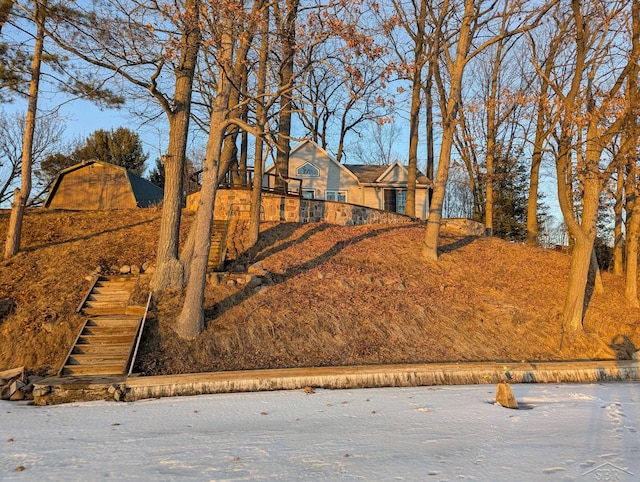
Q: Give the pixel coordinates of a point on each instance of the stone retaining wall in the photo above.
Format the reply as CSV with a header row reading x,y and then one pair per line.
x,y
294,209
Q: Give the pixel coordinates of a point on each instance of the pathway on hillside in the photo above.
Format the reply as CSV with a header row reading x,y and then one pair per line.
x,y
107,339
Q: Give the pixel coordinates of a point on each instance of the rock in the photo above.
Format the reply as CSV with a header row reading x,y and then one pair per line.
x,y
17,396
231,282
505,397
135,269
146,265
320,275
98,269
241,280
126,269
13,391
257,269
150,270
253,281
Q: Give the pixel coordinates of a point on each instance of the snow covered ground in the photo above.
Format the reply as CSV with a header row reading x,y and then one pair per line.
x,y
567,432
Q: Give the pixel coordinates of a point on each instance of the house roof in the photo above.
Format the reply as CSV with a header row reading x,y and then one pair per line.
x,y
366,173
372,174
144,192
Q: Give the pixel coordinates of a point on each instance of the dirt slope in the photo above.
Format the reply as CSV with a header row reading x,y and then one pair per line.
x,y
333,296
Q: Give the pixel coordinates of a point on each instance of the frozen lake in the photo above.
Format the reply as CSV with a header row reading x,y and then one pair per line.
x,y
565,432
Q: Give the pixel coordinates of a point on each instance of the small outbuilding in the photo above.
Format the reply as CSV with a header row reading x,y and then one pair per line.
x,y
96,185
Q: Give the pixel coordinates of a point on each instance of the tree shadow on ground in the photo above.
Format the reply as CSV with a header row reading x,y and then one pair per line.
x,y
236,299
457,244
89,236
271,236
623,347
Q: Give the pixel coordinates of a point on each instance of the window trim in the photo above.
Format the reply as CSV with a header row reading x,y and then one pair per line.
x,y
298,173
337,195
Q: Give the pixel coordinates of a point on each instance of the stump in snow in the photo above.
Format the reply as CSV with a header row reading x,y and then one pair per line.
x,y
505,397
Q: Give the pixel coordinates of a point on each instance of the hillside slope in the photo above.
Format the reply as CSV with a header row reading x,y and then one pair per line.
x,y
333,296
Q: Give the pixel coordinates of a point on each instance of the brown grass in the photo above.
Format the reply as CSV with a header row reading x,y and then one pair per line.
x,y
334,296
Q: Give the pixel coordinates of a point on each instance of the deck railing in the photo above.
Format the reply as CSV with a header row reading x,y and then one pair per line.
x,y
243,179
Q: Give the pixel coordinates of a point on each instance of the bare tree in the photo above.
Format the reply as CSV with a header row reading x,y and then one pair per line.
x,y
231,28
586,92
454,44
22,194
155,51
47,136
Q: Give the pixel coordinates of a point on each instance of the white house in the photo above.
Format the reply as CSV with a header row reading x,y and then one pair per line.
x,y
379,187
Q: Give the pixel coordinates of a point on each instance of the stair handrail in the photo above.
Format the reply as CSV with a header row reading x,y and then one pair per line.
x,y
73,345
96,277
139,336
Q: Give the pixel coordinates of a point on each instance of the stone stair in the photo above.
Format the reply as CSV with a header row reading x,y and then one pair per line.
x,y
107,339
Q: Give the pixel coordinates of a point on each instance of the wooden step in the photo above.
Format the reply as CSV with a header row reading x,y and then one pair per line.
x,y
115,320
96,360
104,339
109,330
135,310
90,370
108,296
122,349
108,311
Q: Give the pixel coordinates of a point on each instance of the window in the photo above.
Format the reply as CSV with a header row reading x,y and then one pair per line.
x,y
308,170
340,196
308,194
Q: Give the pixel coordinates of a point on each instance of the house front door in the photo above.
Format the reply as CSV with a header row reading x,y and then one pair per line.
x,y
395,200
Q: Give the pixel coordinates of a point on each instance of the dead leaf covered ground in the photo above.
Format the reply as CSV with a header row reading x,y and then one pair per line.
x,y
333,295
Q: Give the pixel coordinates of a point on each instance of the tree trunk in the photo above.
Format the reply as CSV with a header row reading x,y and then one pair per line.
x,y
574,304
618,239
414,113
538,146
631,265
429,128
169,270
261,121
288,39
190,322
14,233
631,149
449,117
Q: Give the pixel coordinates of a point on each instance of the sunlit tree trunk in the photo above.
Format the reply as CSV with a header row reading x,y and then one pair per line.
x,y
632,150
190,322
449,116
14,233
618,238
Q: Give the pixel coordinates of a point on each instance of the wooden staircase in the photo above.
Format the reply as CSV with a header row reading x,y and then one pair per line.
x,y
218,249
107,339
